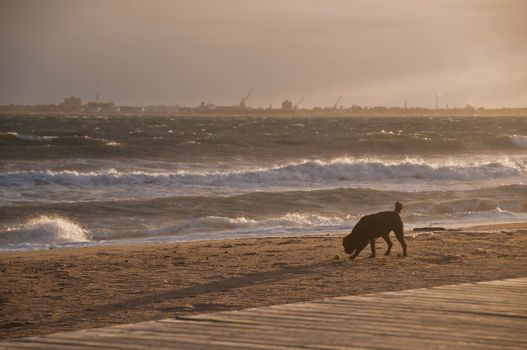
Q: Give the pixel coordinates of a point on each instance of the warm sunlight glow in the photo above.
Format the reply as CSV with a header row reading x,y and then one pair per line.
x,y
185,52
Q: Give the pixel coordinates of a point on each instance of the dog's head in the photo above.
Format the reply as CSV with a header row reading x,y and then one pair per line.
x,y
347,242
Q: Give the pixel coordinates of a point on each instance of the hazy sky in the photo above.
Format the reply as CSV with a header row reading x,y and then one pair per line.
x,y
372,52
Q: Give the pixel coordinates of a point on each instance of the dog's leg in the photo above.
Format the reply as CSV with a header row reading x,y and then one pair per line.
x,y
359,249
386,237
400,238
372,246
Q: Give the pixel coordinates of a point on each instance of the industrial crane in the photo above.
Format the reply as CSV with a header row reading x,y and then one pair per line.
x,y
245,98
298,103
336,104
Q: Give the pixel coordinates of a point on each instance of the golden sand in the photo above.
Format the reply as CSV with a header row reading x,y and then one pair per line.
x,y
67,289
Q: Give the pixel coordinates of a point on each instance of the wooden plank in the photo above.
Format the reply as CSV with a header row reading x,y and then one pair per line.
x,y
342,315
368,309
362,325
421,300
517,301
453,295
420,303
180,340
467,289
343,345
252,342
487,294
483,315
436,333
291,317
305,336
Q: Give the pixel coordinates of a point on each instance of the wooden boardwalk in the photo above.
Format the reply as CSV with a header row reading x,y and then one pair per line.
x,y
484,315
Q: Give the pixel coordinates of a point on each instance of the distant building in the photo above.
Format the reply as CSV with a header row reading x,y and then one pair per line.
x,y
71,103
287,105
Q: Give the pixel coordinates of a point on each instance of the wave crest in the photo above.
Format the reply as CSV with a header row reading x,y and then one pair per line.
x,y
519,140
28,137
60,140
241,226
342,171
45,230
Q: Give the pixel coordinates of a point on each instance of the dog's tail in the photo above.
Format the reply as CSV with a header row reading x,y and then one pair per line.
x,y
398,207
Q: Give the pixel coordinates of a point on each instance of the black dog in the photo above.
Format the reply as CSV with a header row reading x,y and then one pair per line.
x,y
373,226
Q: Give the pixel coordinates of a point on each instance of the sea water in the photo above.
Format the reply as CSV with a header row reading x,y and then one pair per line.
x,y
79,180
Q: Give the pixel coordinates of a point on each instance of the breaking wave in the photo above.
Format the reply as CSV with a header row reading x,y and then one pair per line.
x,y
294,223
345,171
27,137
63,140
44,230
290,224
519,140
243,225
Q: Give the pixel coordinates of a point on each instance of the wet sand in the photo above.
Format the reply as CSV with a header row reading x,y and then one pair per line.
x,y
67,289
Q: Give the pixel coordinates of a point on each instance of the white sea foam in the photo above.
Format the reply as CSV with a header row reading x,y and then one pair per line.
x,y
347,171
519,140
469,218
48,138
295,223
27,137
112,143
44,230
221,227
150,180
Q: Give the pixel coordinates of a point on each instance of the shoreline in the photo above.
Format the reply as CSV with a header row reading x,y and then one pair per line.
x,y
47,291
134,243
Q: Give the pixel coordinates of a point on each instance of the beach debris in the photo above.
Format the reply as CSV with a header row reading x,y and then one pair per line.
x,y
428,229
436,229
338,256
481,251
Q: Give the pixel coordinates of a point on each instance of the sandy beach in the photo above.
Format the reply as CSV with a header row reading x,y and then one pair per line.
x,y
67,289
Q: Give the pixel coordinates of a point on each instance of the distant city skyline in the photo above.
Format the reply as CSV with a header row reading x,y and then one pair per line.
x,y
372,53
248,106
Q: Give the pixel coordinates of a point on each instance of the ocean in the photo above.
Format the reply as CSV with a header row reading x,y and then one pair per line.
x,y
100,180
